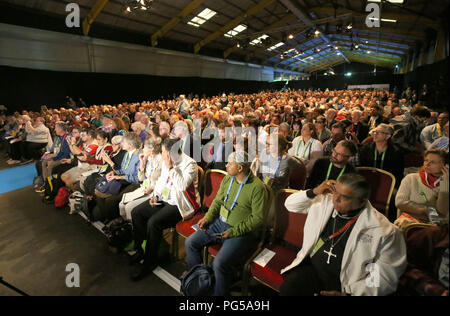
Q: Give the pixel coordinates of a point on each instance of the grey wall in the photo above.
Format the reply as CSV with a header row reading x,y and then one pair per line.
x,y
38,49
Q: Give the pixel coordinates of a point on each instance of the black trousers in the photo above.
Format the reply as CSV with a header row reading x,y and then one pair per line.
x,y
108,208
302,280
30,150
15,153
149,223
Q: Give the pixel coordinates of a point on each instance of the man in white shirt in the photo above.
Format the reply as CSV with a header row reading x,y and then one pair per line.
x,y
349,248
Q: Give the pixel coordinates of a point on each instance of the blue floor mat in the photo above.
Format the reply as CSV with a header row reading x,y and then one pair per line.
x,y
17,178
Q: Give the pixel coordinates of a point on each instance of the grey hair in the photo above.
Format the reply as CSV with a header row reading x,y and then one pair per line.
x,y
387,128
62,125
132,139
242,159
153,144
359,185
117,139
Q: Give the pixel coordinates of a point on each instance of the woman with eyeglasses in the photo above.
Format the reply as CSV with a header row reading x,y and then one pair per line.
x,y
275,167
323,133
306,146
381,153
423,196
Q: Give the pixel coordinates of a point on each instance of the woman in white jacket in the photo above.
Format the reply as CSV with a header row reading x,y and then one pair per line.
x,y
349,248
175,197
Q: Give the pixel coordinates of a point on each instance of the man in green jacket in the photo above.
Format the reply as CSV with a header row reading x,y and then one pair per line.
x,y
234,219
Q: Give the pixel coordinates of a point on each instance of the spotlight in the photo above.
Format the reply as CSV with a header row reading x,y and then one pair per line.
x,y
317,33
356,46
336,47
291,36
349,26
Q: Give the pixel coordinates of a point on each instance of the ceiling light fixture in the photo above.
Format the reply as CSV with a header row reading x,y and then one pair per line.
x,y
133,5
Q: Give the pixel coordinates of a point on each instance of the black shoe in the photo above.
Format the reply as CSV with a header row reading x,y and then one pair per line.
x,y
140,271
136,258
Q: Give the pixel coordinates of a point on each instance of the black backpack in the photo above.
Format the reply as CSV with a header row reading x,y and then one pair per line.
x,y
120,236
52,186
198,281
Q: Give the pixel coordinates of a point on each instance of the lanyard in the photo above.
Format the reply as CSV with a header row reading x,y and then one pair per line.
x,y
438,127
306,148
167,181
127,160
238,192
376,157
278,168
343,229
340,174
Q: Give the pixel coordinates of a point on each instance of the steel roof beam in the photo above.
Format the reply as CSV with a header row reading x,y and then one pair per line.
x,y
95,11
175,20
232,24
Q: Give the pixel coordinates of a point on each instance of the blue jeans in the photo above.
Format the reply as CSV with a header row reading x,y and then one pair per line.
x,y
234,251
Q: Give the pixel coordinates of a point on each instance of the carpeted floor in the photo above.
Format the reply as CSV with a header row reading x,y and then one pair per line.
x,y
17,177
37,241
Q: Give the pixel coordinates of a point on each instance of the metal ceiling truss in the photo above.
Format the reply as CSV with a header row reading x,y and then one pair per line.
x,y
232,24
321,67
269,28
302,27
331,53
372,40
401,18
175,20
305,18
372,48
298,55
324,63
90,18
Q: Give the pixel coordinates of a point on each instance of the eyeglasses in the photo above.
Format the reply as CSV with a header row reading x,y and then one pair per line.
x,y
339,154
378,132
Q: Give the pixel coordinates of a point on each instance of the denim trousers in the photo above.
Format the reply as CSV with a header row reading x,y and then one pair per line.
x,y
234,251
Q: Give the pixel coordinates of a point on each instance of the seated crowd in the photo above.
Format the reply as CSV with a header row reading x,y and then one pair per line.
x,y
139,163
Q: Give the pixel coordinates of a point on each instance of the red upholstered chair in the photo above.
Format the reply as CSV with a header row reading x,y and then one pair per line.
x,y
214,249
297,181
288,231
367,140
382,186
210,186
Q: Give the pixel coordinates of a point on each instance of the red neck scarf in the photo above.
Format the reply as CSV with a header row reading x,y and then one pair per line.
x,y
429,180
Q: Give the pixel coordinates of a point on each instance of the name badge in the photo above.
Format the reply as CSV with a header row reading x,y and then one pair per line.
x,y
146,183
318,245
268,181
166,193
224,213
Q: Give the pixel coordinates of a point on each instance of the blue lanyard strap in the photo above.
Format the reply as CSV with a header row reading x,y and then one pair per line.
x,y
238,192
278,168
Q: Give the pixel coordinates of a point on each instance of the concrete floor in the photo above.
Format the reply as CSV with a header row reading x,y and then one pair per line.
x,y
37,241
